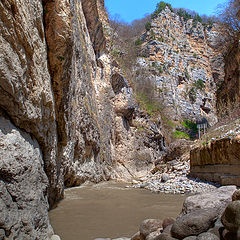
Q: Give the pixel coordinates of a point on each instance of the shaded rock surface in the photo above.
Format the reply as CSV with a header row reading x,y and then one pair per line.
x,y
149,225
23,185
231,217
193,223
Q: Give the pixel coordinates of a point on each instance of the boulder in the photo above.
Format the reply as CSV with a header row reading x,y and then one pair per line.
x,y
193,223
167,222
231,217
217,199
154,235
190,238
137,236
236,195
165,177
150,225
55,237
164,236
226,235
167,229
207,236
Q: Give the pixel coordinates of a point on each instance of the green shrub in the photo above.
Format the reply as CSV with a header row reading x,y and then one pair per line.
x,y
199,84
150,106
138,42
160,7
160,39
160,69
186,73
179,134
183,13
148,26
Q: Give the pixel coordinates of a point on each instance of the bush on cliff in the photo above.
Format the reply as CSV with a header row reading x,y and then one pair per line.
x,y
160,7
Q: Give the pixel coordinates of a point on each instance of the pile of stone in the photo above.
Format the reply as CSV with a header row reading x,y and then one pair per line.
x,y
207,216
174,181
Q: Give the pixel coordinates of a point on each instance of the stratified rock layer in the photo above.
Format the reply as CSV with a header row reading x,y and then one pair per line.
x,y
219,161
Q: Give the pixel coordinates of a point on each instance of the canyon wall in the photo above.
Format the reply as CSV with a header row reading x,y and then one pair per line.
x,y
228,94
219,161
185,64
66,111
218,158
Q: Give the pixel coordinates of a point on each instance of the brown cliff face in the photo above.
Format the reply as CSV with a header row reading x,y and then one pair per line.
x,y
228,95
217,162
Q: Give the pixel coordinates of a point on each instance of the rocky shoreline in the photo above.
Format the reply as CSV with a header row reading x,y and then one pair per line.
x,y
174,180
208,216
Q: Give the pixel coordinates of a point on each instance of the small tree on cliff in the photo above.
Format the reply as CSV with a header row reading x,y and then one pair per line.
x,y
229,17
160,7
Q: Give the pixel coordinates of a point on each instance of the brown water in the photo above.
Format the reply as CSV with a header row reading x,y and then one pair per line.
x,y
109,210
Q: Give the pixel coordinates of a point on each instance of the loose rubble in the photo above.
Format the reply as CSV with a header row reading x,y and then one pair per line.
x,y
174,181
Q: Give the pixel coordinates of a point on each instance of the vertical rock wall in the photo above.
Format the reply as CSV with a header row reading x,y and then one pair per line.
x,y
184,64
66,110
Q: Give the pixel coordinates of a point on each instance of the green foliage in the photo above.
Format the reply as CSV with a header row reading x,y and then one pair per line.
x,y
186,73
197,18
61,58
115,52
148,26
192,94
160,7
160,69
160,39
168,122
190,125
183,13
140,128
179,134
150,106
152,34
199,84
138,42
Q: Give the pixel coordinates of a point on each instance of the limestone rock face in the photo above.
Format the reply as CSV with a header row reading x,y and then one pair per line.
x,y
25,85
64,94
184,63
23,185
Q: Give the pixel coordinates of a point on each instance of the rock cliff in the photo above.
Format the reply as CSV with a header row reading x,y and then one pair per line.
x,y
67,113
185,65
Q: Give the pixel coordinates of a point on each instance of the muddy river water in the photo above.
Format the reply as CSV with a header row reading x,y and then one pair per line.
x,y
109,210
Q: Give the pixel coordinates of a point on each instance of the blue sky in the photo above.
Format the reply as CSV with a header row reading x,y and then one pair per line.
x,y
130,10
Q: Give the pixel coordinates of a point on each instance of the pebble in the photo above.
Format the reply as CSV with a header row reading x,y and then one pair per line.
x,y
176,183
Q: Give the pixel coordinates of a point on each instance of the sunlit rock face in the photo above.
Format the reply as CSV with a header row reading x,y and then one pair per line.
x,y
68,114
186,63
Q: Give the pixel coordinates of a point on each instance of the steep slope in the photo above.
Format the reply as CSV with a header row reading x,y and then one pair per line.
x,y
185,64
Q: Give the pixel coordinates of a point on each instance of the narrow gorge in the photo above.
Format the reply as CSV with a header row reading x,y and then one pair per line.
x,y
70,113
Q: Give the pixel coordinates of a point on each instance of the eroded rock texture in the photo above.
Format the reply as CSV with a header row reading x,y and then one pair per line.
x,y
218,161
23,185
228,95
185,65
67,108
